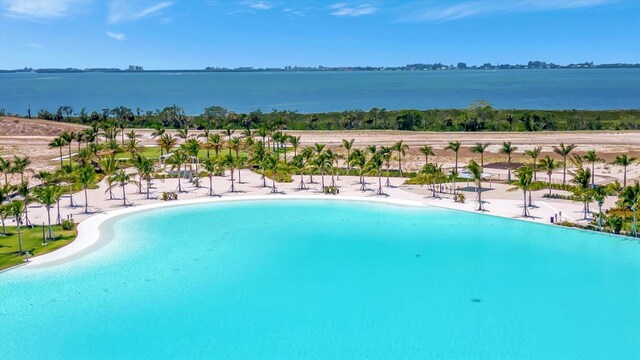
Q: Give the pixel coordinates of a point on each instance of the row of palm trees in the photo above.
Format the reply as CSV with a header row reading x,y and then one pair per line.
x,y
261,149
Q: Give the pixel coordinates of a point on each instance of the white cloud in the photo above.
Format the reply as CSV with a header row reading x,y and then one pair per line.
x,y
123,11
34,45
498,7
117,36
259,5
40,9
343,9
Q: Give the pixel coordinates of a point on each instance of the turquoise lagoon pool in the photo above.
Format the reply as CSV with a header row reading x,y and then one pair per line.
x,y
289,279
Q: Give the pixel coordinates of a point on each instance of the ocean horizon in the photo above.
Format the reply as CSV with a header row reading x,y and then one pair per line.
x,y
309,92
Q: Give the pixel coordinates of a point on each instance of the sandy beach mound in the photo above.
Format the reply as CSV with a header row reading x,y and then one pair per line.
x,y
14,126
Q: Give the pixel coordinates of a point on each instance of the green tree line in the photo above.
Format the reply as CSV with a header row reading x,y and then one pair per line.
x,y
479,116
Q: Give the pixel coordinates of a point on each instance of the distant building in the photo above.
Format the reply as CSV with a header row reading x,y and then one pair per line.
x,y
135,68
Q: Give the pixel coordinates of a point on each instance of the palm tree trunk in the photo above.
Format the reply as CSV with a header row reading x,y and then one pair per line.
x,y
58,218
210,185
379,192
60,159
301,186
239,178
148,188
27,222
549,184
625,177
124,194
525,211
86,201
19,238
388,183
49,221
71,203
593,174
564,169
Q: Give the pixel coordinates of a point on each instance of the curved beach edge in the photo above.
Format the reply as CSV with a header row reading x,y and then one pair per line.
x,y
89,236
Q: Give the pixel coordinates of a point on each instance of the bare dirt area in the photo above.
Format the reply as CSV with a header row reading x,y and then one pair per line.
x,y
13,126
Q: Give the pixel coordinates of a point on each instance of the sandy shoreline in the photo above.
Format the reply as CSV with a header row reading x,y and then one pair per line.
x,y
498,203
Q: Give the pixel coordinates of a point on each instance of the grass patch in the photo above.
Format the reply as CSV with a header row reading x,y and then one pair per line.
x,y
31,242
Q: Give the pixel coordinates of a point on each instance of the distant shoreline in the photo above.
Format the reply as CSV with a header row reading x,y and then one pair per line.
x,y
411,67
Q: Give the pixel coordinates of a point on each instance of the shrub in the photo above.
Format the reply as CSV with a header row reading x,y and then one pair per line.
x,y
331,190
459,197
68,224
167,195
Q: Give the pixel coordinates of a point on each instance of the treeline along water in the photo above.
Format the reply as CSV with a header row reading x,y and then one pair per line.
x,y
309,92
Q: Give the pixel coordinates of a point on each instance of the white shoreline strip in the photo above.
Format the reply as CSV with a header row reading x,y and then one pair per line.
x,y
89,234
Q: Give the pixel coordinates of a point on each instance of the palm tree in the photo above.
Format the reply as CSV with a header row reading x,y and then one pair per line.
x,y
158,131
146,171
508,150
524,179
59,143
229,131
358,160
548,164
229,162
183,133
241,162
192,148
70,176
375,165
582,178
109,165
166,143
630,197
132,146
455,147
5,168
4,214
177,159
480,148
271,164
86,177
307,154
26,193
295,143
348,145
427,150
300,162
122,179
624,160
534,154
600,195
564,151
20,165
49,196
385,153
401,148
211,166
16,209
68,138
235,144
476,175
592,157
215,142
321,162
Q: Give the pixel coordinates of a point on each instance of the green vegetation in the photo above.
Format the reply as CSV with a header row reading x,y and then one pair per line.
x,y
479,116
31,238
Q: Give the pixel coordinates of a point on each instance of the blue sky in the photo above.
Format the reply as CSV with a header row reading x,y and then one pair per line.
x,y
193,34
